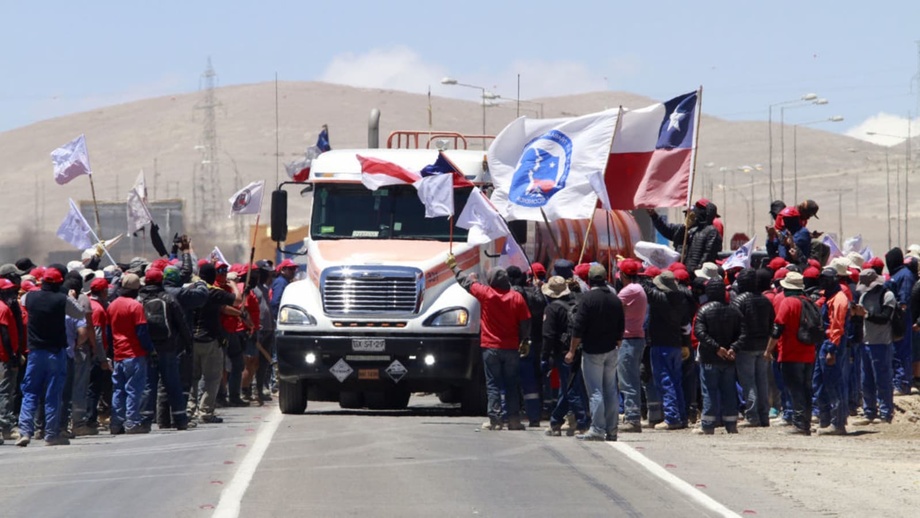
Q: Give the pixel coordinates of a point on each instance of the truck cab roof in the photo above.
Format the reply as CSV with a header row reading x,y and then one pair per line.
x,y
343,165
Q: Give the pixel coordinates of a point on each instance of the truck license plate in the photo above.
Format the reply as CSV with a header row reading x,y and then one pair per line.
x,y
371,345
368,374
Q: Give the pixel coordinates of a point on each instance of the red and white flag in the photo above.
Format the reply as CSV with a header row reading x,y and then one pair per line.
x,y
377,173
651,159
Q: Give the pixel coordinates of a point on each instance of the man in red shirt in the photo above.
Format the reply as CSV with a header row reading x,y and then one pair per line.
x,y
504,322
830,375
9,359
131,344
100,381
796,359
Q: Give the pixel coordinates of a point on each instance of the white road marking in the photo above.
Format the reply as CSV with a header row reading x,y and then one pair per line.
x,y
232,495
673,480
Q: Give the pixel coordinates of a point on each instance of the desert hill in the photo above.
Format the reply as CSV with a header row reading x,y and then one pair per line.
x,y
160,136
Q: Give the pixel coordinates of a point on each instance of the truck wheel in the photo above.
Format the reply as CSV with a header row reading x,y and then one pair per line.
x,y
451,395
292,396
473,399
351,400
397,398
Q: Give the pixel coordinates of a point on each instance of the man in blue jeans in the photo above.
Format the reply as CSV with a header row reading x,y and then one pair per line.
x,y
46,369
131,344
598,329
718,328
635,310
170,334
556,339
504,322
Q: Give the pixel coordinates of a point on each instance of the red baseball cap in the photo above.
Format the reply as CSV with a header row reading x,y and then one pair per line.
x,y
287,263
202,262
159,264
100,285
538,270
629,267
780,274
153,276
815,263
682,276
776,263
677,266
52,276
29,286
6,284
789,212
581,271
875,262
810,273
38,272
702,203
651,271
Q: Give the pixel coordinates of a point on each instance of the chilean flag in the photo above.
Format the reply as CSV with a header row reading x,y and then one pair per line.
x,y
651,158
443,165
376,173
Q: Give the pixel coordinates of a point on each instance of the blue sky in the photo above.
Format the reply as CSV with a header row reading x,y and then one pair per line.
x,y
65,57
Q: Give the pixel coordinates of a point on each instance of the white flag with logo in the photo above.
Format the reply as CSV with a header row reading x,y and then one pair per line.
x,y
138,212
217,255
544,165
740,258
437,193
248,200
70,161
75,230
482,219
655,254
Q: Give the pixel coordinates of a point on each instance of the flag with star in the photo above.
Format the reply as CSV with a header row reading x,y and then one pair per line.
x,y
651,159
541,167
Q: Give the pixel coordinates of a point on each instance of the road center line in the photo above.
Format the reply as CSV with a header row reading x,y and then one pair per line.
x,y
673,480
232,495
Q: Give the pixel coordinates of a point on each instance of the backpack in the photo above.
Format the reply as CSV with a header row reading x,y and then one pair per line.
x,y
156,311
811,327
571,308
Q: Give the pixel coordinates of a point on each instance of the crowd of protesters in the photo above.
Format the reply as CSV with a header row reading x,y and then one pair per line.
x,y
802,340
122,348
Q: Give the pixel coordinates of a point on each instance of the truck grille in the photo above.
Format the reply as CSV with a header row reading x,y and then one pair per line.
x,y
380,290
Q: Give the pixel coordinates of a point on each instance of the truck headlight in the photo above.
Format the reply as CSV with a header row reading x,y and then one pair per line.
x,y
452,317
294,316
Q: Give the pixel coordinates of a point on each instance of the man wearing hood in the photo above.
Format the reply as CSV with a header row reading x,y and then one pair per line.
x,y
876,305
757,315
530,366
830,377
504,323
718,328
794,243
191,295
900,281
557,335
703,241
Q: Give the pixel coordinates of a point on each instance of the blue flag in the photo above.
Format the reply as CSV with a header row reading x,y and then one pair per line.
x,y
322,142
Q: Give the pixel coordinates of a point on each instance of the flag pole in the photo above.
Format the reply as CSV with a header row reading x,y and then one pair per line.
x,y
102,244
450,223
92,188
550,230
696,137
584,242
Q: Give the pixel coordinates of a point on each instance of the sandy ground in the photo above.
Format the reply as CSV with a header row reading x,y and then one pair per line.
x,y
873,471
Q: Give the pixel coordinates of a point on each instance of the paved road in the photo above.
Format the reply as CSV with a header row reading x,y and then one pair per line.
x,y
427,461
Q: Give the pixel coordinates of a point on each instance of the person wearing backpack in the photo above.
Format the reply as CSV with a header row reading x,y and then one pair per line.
x,y
557,334
170,335
830,388
131,344
876,306
796,357
900,282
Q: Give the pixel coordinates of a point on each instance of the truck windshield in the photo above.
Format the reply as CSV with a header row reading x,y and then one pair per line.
x,y
349,211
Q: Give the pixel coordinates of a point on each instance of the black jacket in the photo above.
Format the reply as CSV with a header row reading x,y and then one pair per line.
x,y
668,314
673,232
536,303
556,327
599,321
757,314
704,242
717,325
180,338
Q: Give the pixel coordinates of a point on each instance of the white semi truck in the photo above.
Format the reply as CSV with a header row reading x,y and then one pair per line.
x,y
378,314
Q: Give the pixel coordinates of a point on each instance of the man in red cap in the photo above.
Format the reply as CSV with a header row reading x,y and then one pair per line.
x,y
9,358
635,308
100,380
46,370
170,334
538,271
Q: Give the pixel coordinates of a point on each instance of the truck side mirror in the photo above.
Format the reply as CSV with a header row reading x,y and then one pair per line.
x,y
279,215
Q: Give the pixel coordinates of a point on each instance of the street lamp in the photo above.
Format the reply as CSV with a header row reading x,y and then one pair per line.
x,y
453,82
806,97
782,141
795,155
906,174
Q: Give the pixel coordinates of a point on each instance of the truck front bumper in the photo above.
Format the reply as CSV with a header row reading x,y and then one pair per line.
x,y
423,363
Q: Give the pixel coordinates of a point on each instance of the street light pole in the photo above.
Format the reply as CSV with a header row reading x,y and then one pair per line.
x,y
482,99
806,97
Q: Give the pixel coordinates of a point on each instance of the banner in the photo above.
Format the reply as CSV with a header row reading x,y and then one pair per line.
x,y
70,161
482,219
75,230
542,166
740,258
138,212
